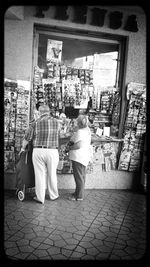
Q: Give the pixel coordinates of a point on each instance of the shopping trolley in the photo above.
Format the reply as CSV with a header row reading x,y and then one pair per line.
x,y
25,178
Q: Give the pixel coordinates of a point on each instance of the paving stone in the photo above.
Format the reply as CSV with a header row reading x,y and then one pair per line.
x,y
60,227
27,230
37,228
42,234
9,244
87,257
130,250
71,247
87,238
22,242
46,258
40,253
103,256
39,239
48,241
66,235
132,243
66,252
110,239
96,242
14,238
86,244
100,236
77,255
119,252
34,244
43,246
60,243
92,251
80,249
53,250
22,255
30,236
55,237
12,251
26,248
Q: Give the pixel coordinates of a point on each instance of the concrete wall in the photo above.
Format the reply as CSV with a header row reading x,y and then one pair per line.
x,y
18,53
99,180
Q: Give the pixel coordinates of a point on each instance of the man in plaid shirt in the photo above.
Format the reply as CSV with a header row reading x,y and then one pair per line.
x,y
44,133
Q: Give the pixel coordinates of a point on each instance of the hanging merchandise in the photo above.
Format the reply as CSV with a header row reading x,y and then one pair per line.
x,y
74,94
63,71
134,128
23,110
10,107
16,119
74,74
52,93
81,96
53,71
38,91
107,100
114,110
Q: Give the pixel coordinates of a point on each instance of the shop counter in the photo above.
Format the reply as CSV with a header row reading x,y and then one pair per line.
x,y
102,173
105,154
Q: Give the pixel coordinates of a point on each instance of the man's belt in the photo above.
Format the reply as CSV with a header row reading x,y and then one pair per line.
x,y
48,147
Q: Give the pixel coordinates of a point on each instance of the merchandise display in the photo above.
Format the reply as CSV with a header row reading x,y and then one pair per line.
x,y
10,108
16,119
66,88
106,113
134,128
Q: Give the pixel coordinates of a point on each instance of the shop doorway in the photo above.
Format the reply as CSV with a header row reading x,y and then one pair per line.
x,y
103,53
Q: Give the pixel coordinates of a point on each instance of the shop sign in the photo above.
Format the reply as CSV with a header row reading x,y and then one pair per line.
x,y
97,17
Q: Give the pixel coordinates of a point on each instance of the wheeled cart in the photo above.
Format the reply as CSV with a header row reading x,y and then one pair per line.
x,y
25,178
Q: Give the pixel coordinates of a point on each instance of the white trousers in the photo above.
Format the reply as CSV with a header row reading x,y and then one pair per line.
x,y
45,162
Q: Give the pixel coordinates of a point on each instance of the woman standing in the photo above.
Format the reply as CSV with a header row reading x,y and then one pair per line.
x,y
80,155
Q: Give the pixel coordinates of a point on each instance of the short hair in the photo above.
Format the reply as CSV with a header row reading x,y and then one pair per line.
x,y
44,109
82,121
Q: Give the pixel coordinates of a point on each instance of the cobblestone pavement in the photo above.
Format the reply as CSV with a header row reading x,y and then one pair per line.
x,y
107,224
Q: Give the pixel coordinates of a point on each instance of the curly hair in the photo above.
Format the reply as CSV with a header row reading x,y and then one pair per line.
x,y
82,121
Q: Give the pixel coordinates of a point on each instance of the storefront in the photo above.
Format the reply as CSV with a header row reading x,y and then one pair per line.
x,y
78,63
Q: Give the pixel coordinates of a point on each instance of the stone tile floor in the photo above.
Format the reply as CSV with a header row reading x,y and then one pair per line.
x,y
106,225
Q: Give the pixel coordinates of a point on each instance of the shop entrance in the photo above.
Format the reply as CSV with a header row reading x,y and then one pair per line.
x,y
84,72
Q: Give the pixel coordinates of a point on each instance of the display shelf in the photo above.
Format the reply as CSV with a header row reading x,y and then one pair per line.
x,y
134,128
16,100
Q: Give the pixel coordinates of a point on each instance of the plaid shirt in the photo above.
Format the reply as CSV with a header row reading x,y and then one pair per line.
x,y
43,132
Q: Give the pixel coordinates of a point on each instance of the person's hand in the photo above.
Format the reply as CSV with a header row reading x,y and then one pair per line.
x,y
22,150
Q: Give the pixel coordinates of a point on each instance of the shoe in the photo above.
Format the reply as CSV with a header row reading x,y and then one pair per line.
x,y
35,199
80,199
54,199
72,198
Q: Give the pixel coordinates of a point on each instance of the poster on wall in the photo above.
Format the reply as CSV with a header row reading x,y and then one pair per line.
x,y
54,50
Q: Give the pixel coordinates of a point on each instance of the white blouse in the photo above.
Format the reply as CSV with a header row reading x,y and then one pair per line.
x,y
83,154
